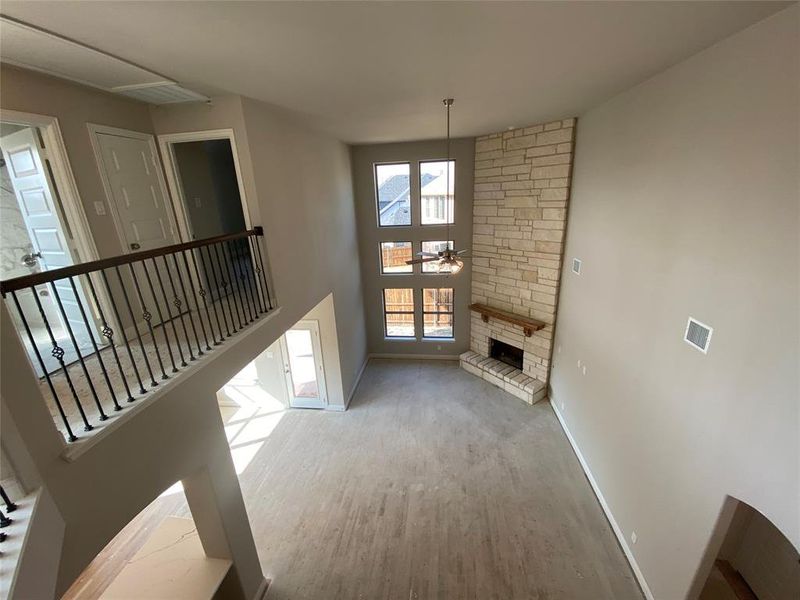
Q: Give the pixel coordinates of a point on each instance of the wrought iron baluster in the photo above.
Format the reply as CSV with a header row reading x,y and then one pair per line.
x,y
203,293
245,266
70,435
124,336
153,381
260,233
262,296
235,286
171,319
220,299
10,506
188,305
58,354
71,334
108,333
177,303
197,304
148,317
4,520
225,271
161,318
237,272
90,331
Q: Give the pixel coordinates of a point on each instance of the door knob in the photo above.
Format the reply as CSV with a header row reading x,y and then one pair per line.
x,y
31,260
135,246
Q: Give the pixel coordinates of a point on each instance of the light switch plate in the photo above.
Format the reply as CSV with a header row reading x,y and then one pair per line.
x,y
99,207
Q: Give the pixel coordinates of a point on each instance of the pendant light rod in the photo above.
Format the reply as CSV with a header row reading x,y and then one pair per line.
x,y
448,102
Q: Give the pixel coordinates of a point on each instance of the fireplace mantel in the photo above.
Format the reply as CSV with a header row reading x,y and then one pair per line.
x,y
528,325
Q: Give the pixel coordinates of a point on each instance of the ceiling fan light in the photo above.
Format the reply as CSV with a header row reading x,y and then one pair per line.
x,y
450,266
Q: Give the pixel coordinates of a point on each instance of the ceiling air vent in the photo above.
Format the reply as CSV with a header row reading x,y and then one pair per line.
x,y
576,266
698,335
169,93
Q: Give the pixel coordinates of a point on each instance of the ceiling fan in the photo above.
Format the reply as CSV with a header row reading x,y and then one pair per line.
x,y
447,261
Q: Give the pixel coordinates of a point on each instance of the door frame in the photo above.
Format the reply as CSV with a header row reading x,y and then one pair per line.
x,y
55,151
166,142
94,131
70,208
316,345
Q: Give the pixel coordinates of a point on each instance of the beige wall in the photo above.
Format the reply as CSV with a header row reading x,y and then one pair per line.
x,y
370,236
305,198
685,202
75,106
298,187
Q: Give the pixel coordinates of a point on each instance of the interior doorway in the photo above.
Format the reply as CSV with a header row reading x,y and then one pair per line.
x,y
204,178
37,236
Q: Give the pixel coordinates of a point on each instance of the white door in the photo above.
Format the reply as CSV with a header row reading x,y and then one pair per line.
x,y
49,249
302,356
131,169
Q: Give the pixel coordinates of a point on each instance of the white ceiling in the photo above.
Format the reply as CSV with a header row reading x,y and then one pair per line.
x,y
375,71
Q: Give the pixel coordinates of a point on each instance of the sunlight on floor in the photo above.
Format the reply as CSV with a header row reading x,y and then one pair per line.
x,y
250,415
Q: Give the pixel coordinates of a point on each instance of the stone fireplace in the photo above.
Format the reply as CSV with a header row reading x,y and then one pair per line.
x,y
522,180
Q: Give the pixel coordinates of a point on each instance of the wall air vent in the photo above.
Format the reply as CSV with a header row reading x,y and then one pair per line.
x,y
166,93
576,266
698,335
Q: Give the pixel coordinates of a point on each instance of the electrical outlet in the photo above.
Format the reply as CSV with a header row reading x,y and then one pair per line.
x,y
579,363
99,208
583,369
198,202
634,537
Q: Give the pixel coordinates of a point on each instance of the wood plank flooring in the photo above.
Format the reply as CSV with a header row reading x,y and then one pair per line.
x,y
433,485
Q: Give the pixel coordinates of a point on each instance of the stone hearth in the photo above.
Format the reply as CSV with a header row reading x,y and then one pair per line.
x,y
504,376
522,180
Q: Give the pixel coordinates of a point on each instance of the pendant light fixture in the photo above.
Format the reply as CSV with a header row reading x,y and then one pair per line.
x,y
447,261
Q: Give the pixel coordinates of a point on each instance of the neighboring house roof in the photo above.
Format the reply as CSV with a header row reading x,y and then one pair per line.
x,y
394,200
394,188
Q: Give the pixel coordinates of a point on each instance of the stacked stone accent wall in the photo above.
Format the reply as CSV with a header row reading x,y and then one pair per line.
x,y
522,181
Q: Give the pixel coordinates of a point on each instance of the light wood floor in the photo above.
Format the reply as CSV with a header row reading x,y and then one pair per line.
x,y
433,485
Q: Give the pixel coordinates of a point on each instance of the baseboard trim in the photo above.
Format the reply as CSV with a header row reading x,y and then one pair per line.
x,y
358,380
604,505
417,356
262,589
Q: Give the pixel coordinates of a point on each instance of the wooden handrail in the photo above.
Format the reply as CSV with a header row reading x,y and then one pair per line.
x,y
27,281
528,325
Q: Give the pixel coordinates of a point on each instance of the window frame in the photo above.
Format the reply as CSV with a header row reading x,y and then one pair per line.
x,y
375,166
451,312
412,312
419,183
380,258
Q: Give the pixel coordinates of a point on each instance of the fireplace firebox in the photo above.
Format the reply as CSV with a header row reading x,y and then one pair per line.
x,y
506,353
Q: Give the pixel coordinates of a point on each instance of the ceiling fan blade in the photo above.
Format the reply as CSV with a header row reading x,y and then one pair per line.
x,y
417,261
427,254
465,250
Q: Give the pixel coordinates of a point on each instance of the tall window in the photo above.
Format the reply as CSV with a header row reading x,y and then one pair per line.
x,y
437,312
434,247
392,184
394,256
436,197
398,312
